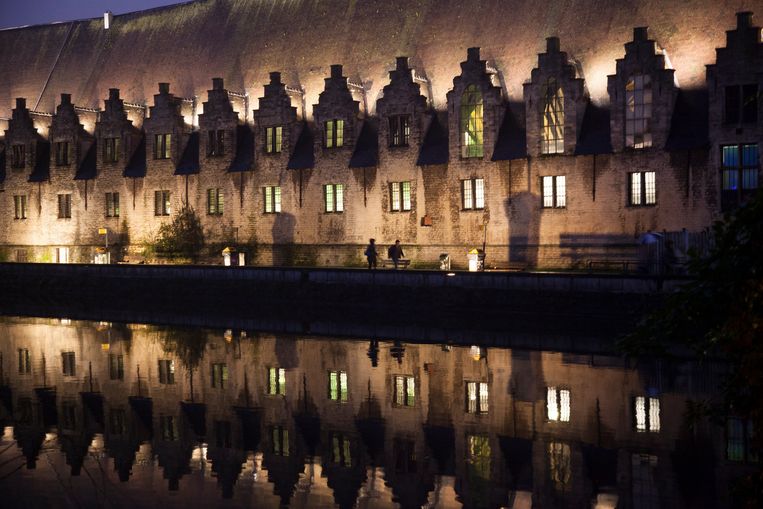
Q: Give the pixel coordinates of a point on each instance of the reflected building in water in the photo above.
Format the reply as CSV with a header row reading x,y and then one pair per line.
x,y
96,411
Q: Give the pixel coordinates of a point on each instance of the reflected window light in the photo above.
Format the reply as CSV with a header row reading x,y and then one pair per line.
x,y
405,391
476,397
647,414
277,381
644,481
558,404
8,434
338,385
65,321
559,461
478,456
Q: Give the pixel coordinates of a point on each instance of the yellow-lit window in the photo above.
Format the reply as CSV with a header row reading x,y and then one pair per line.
x,y
272,199
276,381
64,206
219,375
273,139
552,128
400,196
333,197
161,203
473,194
334,133
215,202
471,122
338,386
478,456
559,465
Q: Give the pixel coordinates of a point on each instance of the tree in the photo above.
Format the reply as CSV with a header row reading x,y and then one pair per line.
x,y
719,313
183,237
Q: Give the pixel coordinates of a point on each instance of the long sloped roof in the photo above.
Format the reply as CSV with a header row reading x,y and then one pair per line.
x,y
242,40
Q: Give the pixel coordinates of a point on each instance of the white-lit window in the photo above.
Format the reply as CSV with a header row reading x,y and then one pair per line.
x,y
62,255
552,130
334,133
338,386
558,404
643,188
333,197
276,381
219,375
405,391
559,465
272,199
638,111
555,192
647,413
400,196
273,139
476,397
473,194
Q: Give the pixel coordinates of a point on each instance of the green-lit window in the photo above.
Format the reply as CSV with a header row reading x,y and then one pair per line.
x,y
279,436
62,153
273,139
20,206
552,128
471,122
215,142
400,196
478,456
162,146
215,202
111,150
272,199
112,204
638,111
333,197
219,375
405,391
338,385
334,133
277,381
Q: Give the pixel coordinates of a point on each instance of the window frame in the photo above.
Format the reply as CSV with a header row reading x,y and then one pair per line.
x,y
472,123
20,206
552,118
338,387
271,199
274,139
476,197
481,405
557,197
402,385
62,153
112,204
644,198
638,112
163,146
555,408
215,201
399,130
111,150
333,198
18,156
64,206
215,142
162,203
333,133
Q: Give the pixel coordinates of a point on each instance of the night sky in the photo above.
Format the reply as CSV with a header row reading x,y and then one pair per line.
x,y
15,13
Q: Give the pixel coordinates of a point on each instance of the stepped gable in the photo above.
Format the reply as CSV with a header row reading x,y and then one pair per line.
x,y
185,44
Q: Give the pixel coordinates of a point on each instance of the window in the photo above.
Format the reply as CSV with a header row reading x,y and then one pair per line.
x,y
399,130
111,150
117,421
341,450
334,133
62,153
67,360
273,139
25,363
400,196
739,165
643,482
162,146
162,203
112,204
643,189
215,202
647,414
219,375
478,456
64,206
19,206
280,440
215,143
333,197
405,391
272,199
471,122
558,404
473,194
638,111
18,156
338,385
62,255
559,468
552,128
476,397
739,435
166,371
169,426
116,367
277,381
404,452
741,104
223,434
68,415
555,192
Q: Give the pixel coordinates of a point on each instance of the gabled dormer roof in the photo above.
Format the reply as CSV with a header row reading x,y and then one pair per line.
x,y
303,157
189,159
434,148
366,151
244,158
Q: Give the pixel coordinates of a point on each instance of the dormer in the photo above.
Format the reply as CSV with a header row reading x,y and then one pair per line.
x,y
474,108
555,101
69,140
164,127
337,113
116,137
275,122
642,95
217,123
402,108
23,142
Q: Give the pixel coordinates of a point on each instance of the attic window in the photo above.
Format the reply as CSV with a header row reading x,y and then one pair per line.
x,y
216,143
18,153
471,122
552,128
273,139
399,130
334,133
638,111
62,153
741,104
111,150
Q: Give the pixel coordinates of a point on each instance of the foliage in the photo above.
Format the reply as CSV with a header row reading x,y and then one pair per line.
x,y
720,314
181,238
189,344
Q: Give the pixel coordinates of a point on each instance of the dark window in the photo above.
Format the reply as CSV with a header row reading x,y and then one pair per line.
x,y
273,139
67,360
399,130
739,435
642,188
161,203
216,143
739,167
64,206
223,434
25,411
116,367
68,415
741,104
473,194
334,133
169,427
554,192
111,150
19,206
400,196
341,449
280,440
215,202
333,197
162,146
18,156
62,153
166,371
219,375
25,362
112,204
117,421
559,465
405,456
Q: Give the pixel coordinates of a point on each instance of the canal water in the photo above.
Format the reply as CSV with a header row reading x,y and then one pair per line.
x,y
106,414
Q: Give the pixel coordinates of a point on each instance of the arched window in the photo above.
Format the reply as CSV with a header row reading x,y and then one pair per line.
x,y
471,122
552,128
638,111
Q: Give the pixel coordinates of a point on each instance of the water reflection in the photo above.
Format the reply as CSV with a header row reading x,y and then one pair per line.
x,y
101,414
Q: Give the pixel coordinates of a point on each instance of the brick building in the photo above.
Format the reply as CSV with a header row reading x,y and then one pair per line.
x,y
551,161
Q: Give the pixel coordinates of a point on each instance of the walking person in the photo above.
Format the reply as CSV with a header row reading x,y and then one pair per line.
x,y
395,253
371,253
